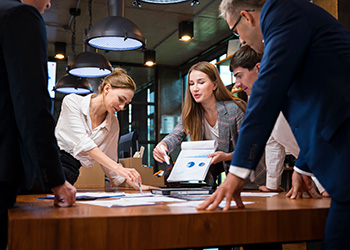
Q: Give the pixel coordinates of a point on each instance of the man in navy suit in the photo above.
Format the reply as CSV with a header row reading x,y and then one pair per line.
x,y
28,147
305,72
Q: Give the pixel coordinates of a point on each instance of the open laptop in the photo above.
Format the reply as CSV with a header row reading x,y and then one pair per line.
x,y
183,187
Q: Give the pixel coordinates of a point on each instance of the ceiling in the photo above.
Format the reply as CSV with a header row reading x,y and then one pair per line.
x,y
158,23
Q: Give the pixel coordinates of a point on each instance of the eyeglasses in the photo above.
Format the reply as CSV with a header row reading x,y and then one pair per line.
x,y
238,20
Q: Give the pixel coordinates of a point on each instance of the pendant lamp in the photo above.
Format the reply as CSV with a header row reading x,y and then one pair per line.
x,y
69,84
138,4
149,58
115,32
89,64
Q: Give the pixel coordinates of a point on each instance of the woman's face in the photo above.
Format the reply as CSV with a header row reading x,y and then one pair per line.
x,y
201,87
116,98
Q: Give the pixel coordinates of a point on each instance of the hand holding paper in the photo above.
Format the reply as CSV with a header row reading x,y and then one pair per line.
x,y
165,156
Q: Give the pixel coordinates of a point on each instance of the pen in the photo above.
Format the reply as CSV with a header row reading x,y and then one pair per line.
x,y
165,156
140,187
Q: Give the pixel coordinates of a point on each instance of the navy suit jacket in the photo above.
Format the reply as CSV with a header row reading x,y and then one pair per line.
x,y
28,147
305,72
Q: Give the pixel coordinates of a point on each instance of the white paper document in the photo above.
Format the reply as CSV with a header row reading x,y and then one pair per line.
x,y
256,194
196,203
132,201
119,202
192,163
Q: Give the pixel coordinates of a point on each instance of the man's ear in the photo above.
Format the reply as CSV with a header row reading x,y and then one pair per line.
x,y
247,16
257,66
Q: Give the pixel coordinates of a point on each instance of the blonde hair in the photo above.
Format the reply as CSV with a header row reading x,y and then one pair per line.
x,y
192,111
118,79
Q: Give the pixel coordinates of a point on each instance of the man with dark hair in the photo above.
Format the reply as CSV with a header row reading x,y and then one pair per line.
x,y
28,147
245,65
305,74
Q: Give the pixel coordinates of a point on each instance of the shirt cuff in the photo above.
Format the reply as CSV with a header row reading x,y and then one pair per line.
x,y
242,173
302,171
320,188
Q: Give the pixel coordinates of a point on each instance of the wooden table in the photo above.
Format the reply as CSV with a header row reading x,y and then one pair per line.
x,y
36,224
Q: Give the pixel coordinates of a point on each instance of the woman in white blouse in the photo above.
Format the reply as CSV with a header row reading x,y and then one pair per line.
x,y
87,130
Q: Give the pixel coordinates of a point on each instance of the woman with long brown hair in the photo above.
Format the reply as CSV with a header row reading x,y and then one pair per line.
x,y
210,112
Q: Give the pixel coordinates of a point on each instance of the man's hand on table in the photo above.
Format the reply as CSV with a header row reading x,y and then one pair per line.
x,y
230,188
64,195
300,184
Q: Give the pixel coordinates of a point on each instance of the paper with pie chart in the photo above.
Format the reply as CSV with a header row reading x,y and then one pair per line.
x,y
192,164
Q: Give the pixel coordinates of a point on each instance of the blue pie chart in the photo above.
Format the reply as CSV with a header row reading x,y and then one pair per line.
x,y
190,164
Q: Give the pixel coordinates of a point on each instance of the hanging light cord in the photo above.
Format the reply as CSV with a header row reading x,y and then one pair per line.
x,y
90,14
73,30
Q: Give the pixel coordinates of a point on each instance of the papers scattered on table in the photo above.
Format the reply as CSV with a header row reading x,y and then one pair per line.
x,y
90,195
100,195
132,200
196,203
118,203
256,194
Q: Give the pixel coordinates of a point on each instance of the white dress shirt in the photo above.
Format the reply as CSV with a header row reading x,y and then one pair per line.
x,y
75,135
281,141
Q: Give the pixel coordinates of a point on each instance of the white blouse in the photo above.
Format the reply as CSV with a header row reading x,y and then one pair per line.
x,y
75,135
211,133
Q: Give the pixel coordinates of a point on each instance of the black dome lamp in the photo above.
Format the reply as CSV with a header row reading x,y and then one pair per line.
x,y
115,32
89,64
69,84
137,2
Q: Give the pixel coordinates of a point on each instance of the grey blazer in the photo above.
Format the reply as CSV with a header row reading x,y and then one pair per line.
x,y
230,118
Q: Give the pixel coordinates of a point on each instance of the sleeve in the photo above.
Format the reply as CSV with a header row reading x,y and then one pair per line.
x,y
115,179
239,117
72,126
25,54
242,173
320,188
274,157
283,134
112,152
283,55
302,166
174,139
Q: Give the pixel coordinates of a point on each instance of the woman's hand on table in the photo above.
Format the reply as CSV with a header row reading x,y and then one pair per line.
x,y
129,174
135,185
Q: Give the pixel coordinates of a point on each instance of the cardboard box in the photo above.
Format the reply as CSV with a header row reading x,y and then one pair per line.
x,y
145,172
93,177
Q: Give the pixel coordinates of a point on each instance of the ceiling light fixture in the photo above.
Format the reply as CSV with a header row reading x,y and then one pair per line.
x,y
115,32
60,50
137,2
68,84
186,31
89,64
150,58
